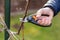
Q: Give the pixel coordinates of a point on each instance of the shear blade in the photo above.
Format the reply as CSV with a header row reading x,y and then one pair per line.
x,y
25,20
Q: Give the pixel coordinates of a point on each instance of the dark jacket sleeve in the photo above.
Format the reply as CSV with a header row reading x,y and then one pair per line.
x,y
54,5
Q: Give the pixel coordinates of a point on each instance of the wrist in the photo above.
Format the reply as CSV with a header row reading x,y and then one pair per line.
x,y
50,13
51,8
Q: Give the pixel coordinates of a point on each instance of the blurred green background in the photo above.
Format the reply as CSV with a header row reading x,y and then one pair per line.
x,y
31,31
34,32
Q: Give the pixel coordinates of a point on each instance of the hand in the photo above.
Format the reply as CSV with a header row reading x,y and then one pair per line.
x,y
45,20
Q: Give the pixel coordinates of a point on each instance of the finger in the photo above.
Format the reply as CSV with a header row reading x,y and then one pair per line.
x,y
40,22
46,22
43,22
49,22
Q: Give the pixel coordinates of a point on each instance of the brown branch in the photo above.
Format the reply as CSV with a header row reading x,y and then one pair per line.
x,y
22,23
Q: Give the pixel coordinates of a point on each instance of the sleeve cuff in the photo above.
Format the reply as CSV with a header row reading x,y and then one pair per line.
x,y
55,13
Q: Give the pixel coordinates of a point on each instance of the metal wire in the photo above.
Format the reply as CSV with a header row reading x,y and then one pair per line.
x,y
21,27
12,34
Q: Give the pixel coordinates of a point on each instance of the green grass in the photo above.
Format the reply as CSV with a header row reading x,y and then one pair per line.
x,y
34,32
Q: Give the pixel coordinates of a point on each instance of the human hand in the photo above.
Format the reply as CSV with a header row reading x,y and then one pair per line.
x,y
45,15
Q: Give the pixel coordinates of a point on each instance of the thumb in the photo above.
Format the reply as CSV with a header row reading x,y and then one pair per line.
x,y
38,13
